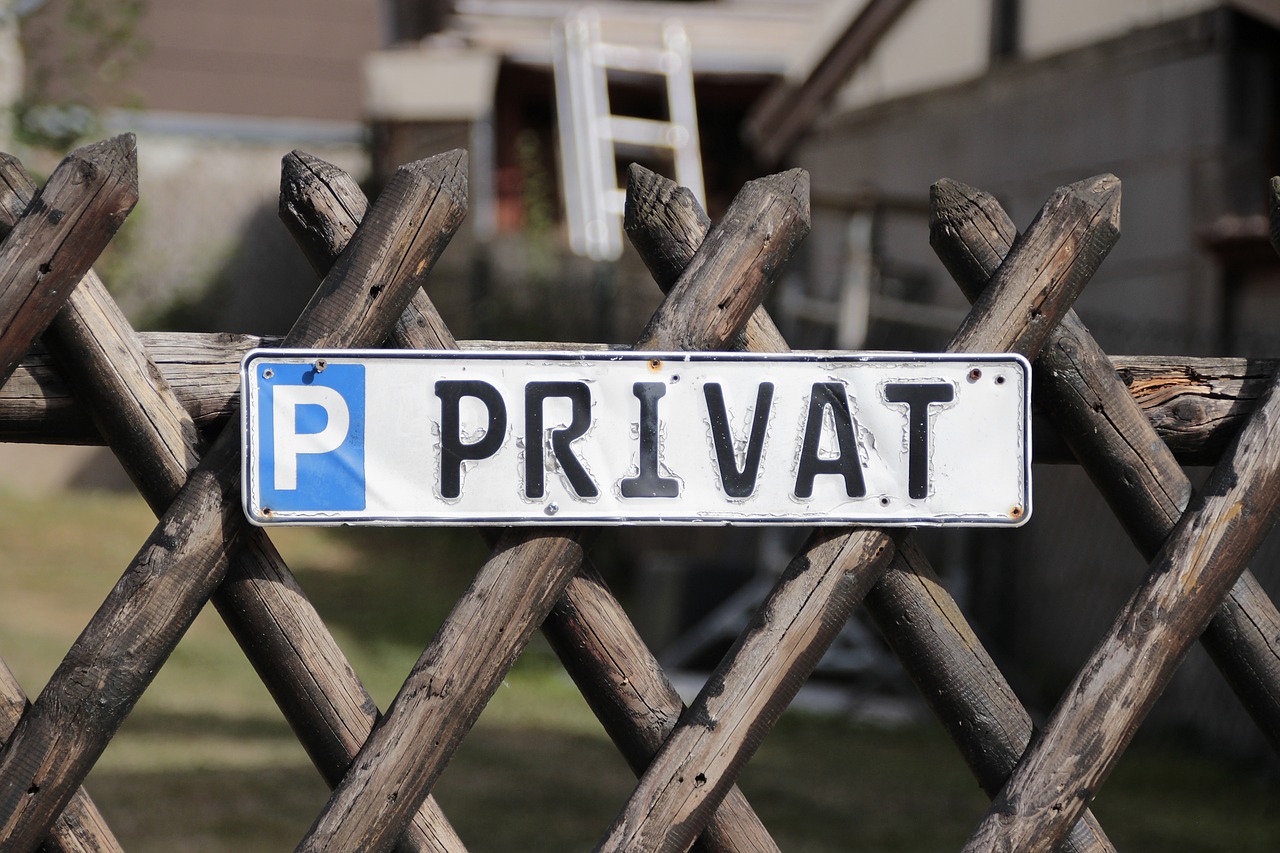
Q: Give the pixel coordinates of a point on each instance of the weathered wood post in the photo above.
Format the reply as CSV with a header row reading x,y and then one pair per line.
x,y
157,442
1117,445
527,573
1104,705
992,699
59,237
588,629
186,557
80,828
203,547
1102,708
62,233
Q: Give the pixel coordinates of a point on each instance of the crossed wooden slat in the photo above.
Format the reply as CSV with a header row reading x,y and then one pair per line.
x,y
834,570
1098,415
677,223
529,571
1141,480
905,598
1198,565
37,792
589,630
114,651
44,255
663,219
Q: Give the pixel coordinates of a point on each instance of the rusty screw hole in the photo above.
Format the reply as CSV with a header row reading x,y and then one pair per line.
x,y
655,364
975,374
1016,512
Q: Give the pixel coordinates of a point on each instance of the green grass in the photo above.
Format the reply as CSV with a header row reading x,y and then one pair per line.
x,y
205,762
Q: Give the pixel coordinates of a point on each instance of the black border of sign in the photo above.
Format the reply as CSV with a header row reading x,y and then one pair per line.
x,y
604,354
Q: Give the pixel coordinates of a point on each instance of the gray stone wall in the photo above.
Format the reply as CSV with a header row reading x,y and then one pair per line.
x,y
1152,108
1167,112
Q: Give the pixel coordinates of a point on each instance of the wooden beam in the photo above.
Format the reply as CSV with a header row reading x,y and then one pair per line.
x,y
816,594
80,828
322,206
690,315
527,573
1109,698
157,442
923,624
1195,404
61,233
1094,408
1189,579
587,628
187,555
787,110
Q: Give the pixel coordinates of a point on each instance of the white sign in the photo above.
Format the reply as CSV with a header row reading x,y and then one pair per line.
x,y
408,437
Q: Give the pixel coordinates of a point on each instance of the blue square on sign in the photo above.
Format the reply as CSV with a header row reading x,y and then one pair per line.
x,y
311,437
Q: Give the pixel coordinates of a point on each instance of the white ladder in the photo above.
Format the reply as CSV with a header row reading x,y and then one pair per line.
x,y
589,131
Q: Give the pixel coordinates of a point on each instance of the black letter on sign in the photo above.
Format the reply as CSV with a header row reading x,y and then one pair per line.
x,y
847,464
648,484
452,451
738,484
918,396
534,395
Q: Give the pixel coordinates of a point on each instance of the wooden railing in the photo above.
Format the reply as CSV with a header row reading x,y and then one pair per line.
x,y
74,371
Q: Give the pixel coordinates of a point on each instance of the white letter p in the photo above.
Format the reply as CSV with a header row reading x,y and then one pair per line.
x,y
289,442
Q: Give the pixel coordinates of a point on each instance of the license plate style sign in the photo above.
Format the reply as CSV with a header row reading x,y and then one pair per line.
x,y
399,437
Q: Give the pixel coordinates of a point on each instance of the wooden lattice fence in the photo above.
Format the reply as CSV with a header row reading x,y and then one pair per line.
x,y
155,398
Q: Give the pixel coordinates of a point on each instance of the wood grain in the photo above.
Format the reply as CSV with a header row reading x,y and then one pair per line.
x,y
80,827
59,236
1095,410
1195,404
528,571
744,697
817,593
666,225
157,443
958,679
322,206
633,698
919,619
1109,698
588,629
1064,244
762,228
186,556
1091,409
1190,577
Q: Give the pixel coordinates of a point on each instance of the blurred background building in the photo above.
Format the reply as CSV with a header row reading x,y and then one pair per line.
x,y
876,98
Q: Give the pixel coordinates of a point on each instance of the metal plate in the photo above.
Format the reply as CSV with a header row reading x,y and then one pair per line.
x,y
536,438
